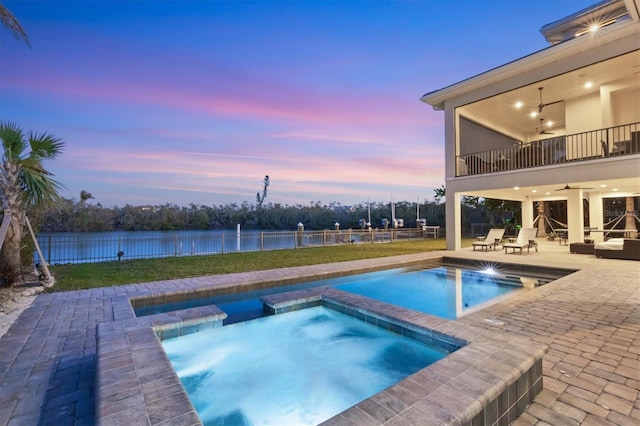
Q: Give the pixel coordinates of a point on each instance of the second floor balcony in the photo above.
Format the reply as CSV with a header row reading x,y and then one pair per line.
x,y
602,143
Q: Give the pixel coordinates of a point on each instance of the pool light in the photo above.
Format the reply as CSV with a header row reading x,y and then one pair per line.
x,y
489,268
489,271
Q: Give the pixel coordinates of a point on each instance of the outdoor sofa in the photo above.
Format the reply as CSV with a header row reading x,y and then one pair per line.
x,y
619,248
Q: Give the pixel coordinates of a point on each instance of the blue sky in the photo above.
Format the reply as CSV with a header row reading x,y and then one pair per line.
x,y
195,102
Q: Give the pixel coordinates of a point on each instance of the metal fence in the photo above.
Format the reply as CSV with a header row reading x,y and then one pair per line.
x,y
104,247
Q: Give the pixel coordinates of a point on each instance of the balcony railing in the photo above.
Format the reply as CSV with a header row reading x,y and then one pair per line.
x,y
601,143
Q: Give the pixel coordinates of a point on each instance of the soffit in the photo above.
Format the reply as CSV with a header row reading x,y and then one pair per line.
x,y
607,188
566,28
536,61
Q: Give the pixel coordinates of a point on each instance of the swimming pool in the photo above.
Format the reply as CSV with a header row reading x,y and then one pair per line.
x,y
299,368
445,289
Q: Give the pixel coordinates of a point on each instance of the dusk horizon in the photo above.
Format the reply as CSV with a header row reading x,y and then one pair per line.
x,y
195,102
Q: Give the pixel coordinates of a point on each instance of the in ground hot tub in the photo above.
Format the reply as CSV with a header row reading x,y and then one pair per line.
x,y
301,368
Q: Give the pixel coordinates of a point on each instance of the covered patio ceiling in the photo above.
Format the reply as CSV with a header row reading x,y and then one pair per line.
x,y
500,113
613,188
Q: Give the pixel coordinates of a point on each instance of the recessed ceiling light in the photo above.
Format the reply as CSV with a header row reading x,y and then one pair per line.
x,y
533,114
547,193
593,28
603,186
615,189
534,190
518,105
549,123
588,85
516,187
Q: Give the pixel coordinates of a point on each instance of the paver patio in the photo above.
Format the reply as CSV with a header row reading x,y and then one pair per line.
x,y
590,321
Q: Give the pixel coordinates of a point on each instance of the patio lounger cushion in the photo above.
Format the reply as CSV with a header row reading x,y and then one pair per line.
x,y
611,244
630,249
526,239
493,239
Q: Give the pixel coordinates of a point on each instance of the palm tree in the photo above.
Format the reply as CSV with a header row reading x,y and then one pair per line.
x,y
630,217
12,24
84,196
24,182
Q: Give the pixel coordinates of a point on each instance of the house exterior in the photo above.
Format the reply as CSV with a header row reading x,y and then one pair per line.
x,y
562,123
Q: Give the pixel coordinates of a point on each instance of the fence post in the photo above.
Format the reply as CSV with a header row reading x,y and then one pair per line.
x,y
222,242
261,240
49,249
299,234
175,246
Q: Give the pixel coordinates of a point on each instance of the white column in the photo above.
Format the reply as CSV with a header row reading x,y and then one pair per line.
x,y
527,213
454,223
596,216
575,216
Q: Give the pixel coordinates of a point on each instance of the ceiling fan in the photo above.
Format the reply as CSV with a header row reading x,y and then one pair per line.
x,y
542,104
566,187
542,130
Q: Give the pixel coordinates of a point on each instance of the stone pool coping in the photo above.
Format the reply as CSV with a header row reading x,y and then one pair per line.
x,y
486,381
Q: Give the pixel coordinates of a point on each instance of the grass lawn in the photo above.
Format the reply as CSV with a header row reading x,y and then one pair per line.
x,y
105,274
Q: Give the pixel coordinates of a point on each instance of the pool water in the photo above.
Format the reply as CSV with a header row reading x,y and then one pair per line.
x,y
444,290
298,368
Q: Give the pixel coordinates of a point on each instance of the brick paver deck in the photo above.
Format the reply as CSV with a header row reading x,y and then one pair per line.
x,y
590,321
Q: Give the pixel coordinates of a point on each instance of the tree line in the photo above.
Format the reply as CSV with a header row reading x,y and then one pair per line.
x,y
69,215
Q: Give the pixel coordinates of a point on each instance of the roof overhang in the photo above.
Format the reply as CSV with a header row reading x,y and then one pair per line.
x,y
605,13
629,29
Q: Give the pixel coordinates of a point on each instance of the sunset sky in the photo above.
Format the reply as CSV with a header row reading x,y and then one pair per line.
x,y
196,101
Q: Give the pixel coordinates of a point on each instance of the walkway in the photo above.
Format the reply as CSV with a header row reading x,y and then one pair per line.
x,y
590,320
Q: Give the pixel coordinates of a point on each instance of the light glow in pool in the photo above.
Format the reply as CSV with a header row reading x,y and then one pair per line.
x,y
444,291
490,271
298,368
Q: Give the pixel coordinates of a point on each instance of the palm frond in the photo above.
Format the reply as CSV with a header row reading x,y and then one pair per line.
x,y
40,189
26,178
13,141
12,24
44,145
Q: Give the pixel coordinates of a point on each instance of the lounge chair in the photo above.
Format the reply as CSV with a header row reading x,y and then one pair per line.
x,y
493,239
526,239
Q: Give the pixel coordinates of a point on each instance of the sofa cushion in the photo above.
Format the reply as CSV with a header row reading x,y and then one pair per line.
x,y
611,244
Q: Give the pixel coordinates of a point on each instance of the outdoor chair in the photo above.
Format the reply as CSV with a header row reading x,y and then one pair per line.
x,y
493,239
619,248
526,239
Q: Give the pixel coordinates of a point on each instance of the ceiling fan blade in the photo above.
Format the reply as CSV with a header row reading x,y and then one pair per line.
x,y
542,104
554,102
571,187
